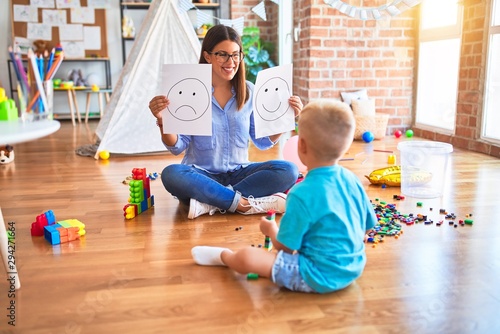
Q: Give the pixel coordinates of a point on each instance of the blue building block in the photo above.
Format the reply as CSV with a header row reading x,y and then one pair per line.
x,y
52,234
51,218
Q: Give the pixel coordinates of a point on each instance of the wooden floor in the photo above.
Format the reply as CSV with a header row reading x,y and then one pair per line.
x,y
137,276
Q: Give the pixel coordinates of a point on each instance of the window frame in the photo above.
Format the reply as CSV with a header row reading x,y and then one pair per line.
x,y
492,30
431,35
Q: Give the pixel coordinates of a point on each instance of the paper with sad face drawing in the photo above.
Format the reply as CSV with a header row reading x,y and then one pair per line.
x,y
272,112
189,90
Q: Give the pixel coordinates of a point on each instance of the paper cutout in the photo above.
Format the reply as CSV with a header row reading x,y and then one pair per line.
x,y
189,90
43,3
272,111
83,15
54,17
71,32
39,31
24,13
260,10
92,38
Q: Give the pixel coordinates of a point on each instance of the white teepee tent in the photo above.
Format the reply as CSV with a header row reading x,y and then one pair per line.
x,y
166,37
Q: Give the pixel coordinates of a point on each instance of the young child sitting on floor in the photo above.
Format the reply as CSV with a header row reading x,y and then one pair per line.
x,y
320,238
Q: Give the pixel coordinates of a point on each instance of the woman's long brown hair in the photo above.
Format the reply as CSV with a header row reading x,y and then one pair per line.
x,y
214,36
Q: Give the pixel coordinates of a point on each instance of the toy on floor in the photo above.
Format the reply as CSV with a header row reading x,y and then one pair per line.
x,y
104,155
152,176
390,176
368,136
271,215
57,232
140,195
6,154
64,231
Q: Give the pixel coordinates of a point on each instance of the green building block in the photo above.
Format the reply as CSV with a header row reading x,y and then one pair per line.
x,y
8,110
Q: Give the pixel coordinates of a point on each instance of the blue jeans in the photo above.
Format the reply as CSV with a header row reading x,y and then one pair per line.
x,y
224,190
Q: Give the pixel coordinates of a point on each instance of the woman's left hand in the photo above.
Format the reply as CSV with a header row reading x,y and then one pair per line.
x,y
296,104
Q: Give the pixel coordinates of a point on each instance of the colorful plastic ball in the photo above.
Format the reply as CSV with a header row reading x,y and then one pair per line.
x,y
104,155
368,137
409,133
398,133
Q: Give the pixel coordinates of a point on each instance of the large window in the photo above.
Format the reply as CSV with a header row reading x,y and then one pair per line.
x,y
491,114
438,65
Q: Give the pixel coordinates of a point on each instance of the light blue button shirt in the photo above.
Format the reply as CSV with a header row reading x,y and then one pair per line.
x,y
227,149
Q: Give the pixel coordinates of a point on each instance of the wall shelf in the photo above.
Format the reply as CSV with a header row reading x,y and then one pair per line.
x,y
105,85
216,7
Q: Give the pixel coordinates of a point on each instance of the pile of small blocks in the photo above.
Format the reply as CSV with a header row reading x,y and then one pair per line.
x,y
57,232
140,198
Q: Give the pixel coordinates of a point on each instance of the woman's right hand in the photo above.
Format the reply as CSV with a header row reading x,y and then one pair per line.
x,y
157,104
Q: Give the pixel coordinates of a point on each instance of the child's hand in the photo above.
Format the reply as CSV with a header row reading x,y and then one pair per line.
x,y
268,227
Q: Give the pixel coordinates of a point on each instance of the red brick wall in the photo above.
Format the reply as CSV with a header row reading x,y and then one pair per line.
x,y
336,53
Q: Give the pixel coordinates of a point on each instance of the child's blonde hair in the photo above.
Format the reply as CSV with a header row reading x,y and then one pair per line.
x,y
328,128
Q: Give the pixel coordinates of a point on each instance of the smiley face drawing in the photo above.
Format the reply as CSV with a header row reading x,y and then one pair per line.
x,y
271,100
189,99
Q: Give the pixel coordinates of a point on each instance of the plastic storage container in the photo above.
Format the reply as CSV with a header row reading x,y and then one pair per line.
x,y
423,168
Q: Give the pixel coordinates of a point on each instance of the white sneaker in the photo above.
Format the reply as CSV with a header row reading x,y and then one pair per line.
x,y
197,209
274,202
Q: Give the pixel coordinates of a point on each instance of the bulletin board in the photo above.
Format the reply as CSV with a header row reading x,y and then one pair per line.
x,y
28,24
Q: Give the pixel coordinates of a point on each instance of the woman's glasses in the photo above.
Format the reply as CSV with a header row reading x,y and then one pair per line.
x,y
223,57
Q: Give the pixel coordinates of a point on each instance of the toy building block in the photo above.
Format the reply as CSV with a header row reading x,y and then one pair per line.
x,y
74,223
130,211
136,191
140,195
57,232
67,234
78,224
64,231
52,234
271,215
140,174
147,203
8,110
47,218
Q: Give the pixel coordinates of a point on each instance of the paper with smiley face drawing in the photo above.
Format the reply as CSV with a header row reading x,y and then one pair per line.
x,y
272,112
189,90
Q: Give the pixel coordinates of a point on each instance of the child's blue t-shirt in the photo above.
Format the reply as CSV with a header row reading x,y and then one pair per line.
x,y
327,215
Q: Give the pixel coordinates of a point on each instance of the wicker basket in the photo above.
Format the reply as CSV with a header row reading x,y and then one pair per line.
x,y
376,124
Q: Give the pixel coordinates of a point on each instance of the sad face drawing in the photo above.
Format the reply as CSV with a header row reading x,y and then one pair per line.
x,y
189,99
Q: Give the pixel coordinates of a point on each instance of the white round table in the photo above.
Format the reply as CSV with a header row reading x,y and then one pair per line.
x,y
14,132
